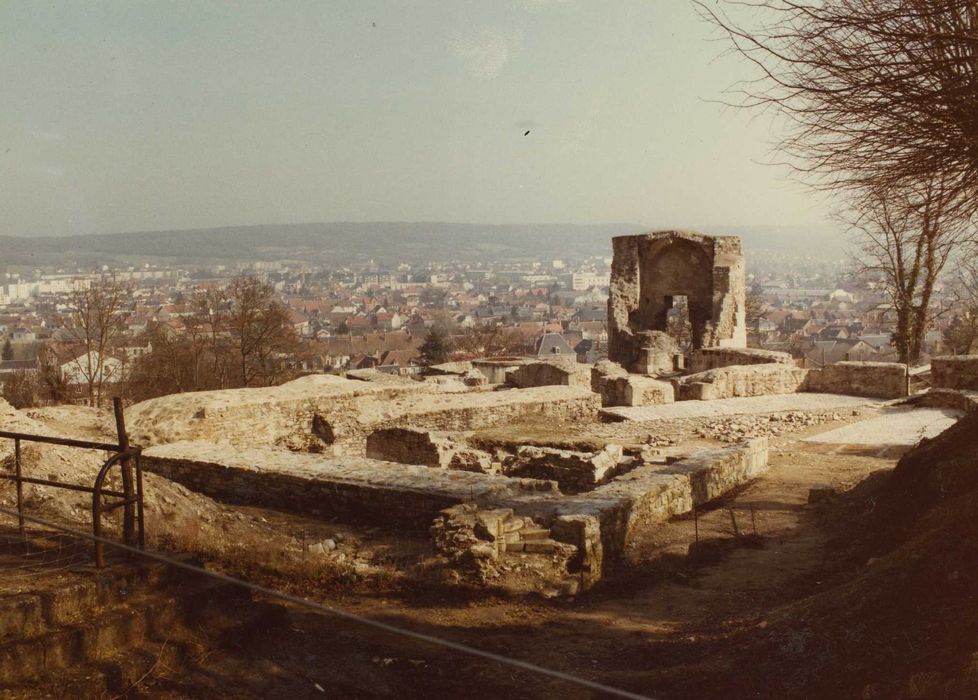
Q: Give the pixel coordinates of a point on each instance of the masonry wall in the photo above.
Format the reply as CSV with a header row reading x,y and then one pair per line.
x,y
955,372
335,416
880,380
647,273
712,358
384,494
360,503
634,505
741,380
567,372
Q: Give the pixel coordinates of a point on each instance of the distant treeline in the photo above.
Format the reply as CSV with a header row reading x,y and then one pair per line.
x,y
387,243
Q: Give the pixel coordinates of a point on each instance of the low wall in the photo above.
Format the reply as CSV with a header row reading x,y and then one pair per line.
x,y
615,515
880,380
955,372
712,358
620,388
957,399
495,369
740,380
550,373
385,494
334,415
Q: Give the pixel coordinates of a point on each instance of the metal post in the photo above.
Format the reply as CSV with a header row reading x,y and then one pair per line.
x,y
128,513
20,487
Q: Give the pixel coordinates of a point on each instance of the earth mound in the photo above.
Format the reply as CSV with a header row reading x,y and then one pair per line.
x,y
897,615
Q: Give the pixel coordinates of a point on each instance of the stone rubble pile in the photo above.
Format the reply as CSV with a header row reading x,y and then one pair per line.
x,y
496,547
738,428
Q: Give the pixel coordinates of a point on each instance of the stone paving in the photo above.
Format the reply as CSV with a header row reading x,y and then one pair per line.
x,y
734,406
897,426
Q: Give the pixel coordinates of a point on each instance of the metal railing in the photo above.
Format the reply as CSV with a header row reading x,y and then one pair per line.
x,y
126,457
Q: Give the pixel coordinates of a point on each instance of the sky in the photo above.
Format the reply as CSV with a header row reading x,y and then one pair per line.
x,y
123,116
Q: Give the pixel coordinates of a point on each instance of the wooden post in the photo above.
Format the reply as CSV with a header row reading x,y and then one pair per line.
x,y
20,487
128,512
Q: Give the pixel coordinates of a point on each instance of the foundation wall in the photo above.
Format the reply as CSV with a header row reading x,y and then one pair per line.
x,y
712,358
741,380
950,372
384,494
881,380
335,417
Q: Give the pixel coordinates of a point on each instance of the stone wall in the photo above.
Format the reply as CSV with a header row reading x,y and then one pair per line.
x,y
958,399
384,494
881,380
632,506
328,414
619,388
950,372
495,369
649,271
711,358
556,372
573,471
427,447
740,380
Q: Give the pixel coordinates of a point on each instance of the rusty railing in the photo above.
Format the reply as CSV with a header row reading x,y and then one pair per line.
x,y
126,457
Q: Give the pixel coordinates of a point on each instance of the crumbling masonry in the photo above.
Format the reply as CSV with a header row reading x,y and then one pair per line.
x,y
650,270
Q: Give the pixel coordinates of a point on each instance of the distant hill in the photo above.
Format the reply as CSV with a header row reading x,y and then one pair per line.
x,y
340,243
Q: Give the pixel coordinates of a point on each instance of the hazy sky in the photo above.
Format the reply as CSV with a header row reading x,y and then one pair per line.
x,y
120,116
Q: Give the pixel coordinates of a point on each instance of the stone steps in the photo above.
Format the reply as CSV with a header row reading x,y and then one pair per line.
x,y
98,632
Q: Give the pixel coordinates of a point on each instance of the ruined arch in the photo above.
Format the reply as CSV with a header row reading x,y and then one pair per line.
x,y
650,269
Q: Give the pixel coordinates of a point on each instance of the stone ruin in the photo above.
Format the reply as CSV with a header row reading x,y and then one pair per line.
x,y
455,456
650,270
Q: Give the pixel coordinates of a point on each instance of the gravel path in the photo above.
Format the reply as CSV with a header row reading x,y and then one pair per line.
x,y
726,407
897,426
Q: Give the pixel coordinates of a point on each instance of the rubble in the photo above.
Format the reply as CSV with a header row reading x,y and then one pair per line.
x,y
738,428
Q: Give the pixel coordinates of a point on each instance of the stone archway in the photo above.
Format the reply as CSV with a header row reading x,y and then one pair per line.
x,y
649,270
673,268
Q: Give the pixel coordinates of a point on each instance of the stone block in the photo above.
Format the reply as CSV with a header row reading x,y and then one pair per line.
x,y
574,472
617,387
880,380
555,372
705,359
741,380
657,353
955,372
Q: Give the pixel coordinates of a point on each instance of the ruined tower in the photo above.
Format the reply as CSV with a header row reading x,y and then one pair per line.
x,y
651,269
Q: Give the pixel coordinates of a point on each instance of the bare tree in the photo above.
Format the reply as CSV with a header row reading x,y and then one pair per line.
x,y
490,340
879,94
679,326
908,239
97,319
961,335
260,331
233,337
755,310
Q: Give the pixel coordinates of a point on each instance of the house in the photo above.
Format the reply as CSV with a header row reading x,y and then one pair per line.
x,y
79,370
550,344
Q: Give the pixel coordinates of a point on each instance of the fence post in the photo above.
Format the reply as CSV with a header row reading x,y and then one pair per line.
x,y
128,512
20,487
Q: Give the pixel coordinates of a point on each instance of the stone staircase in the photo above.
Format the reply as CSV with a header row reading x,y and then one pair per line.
x,y
87,632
